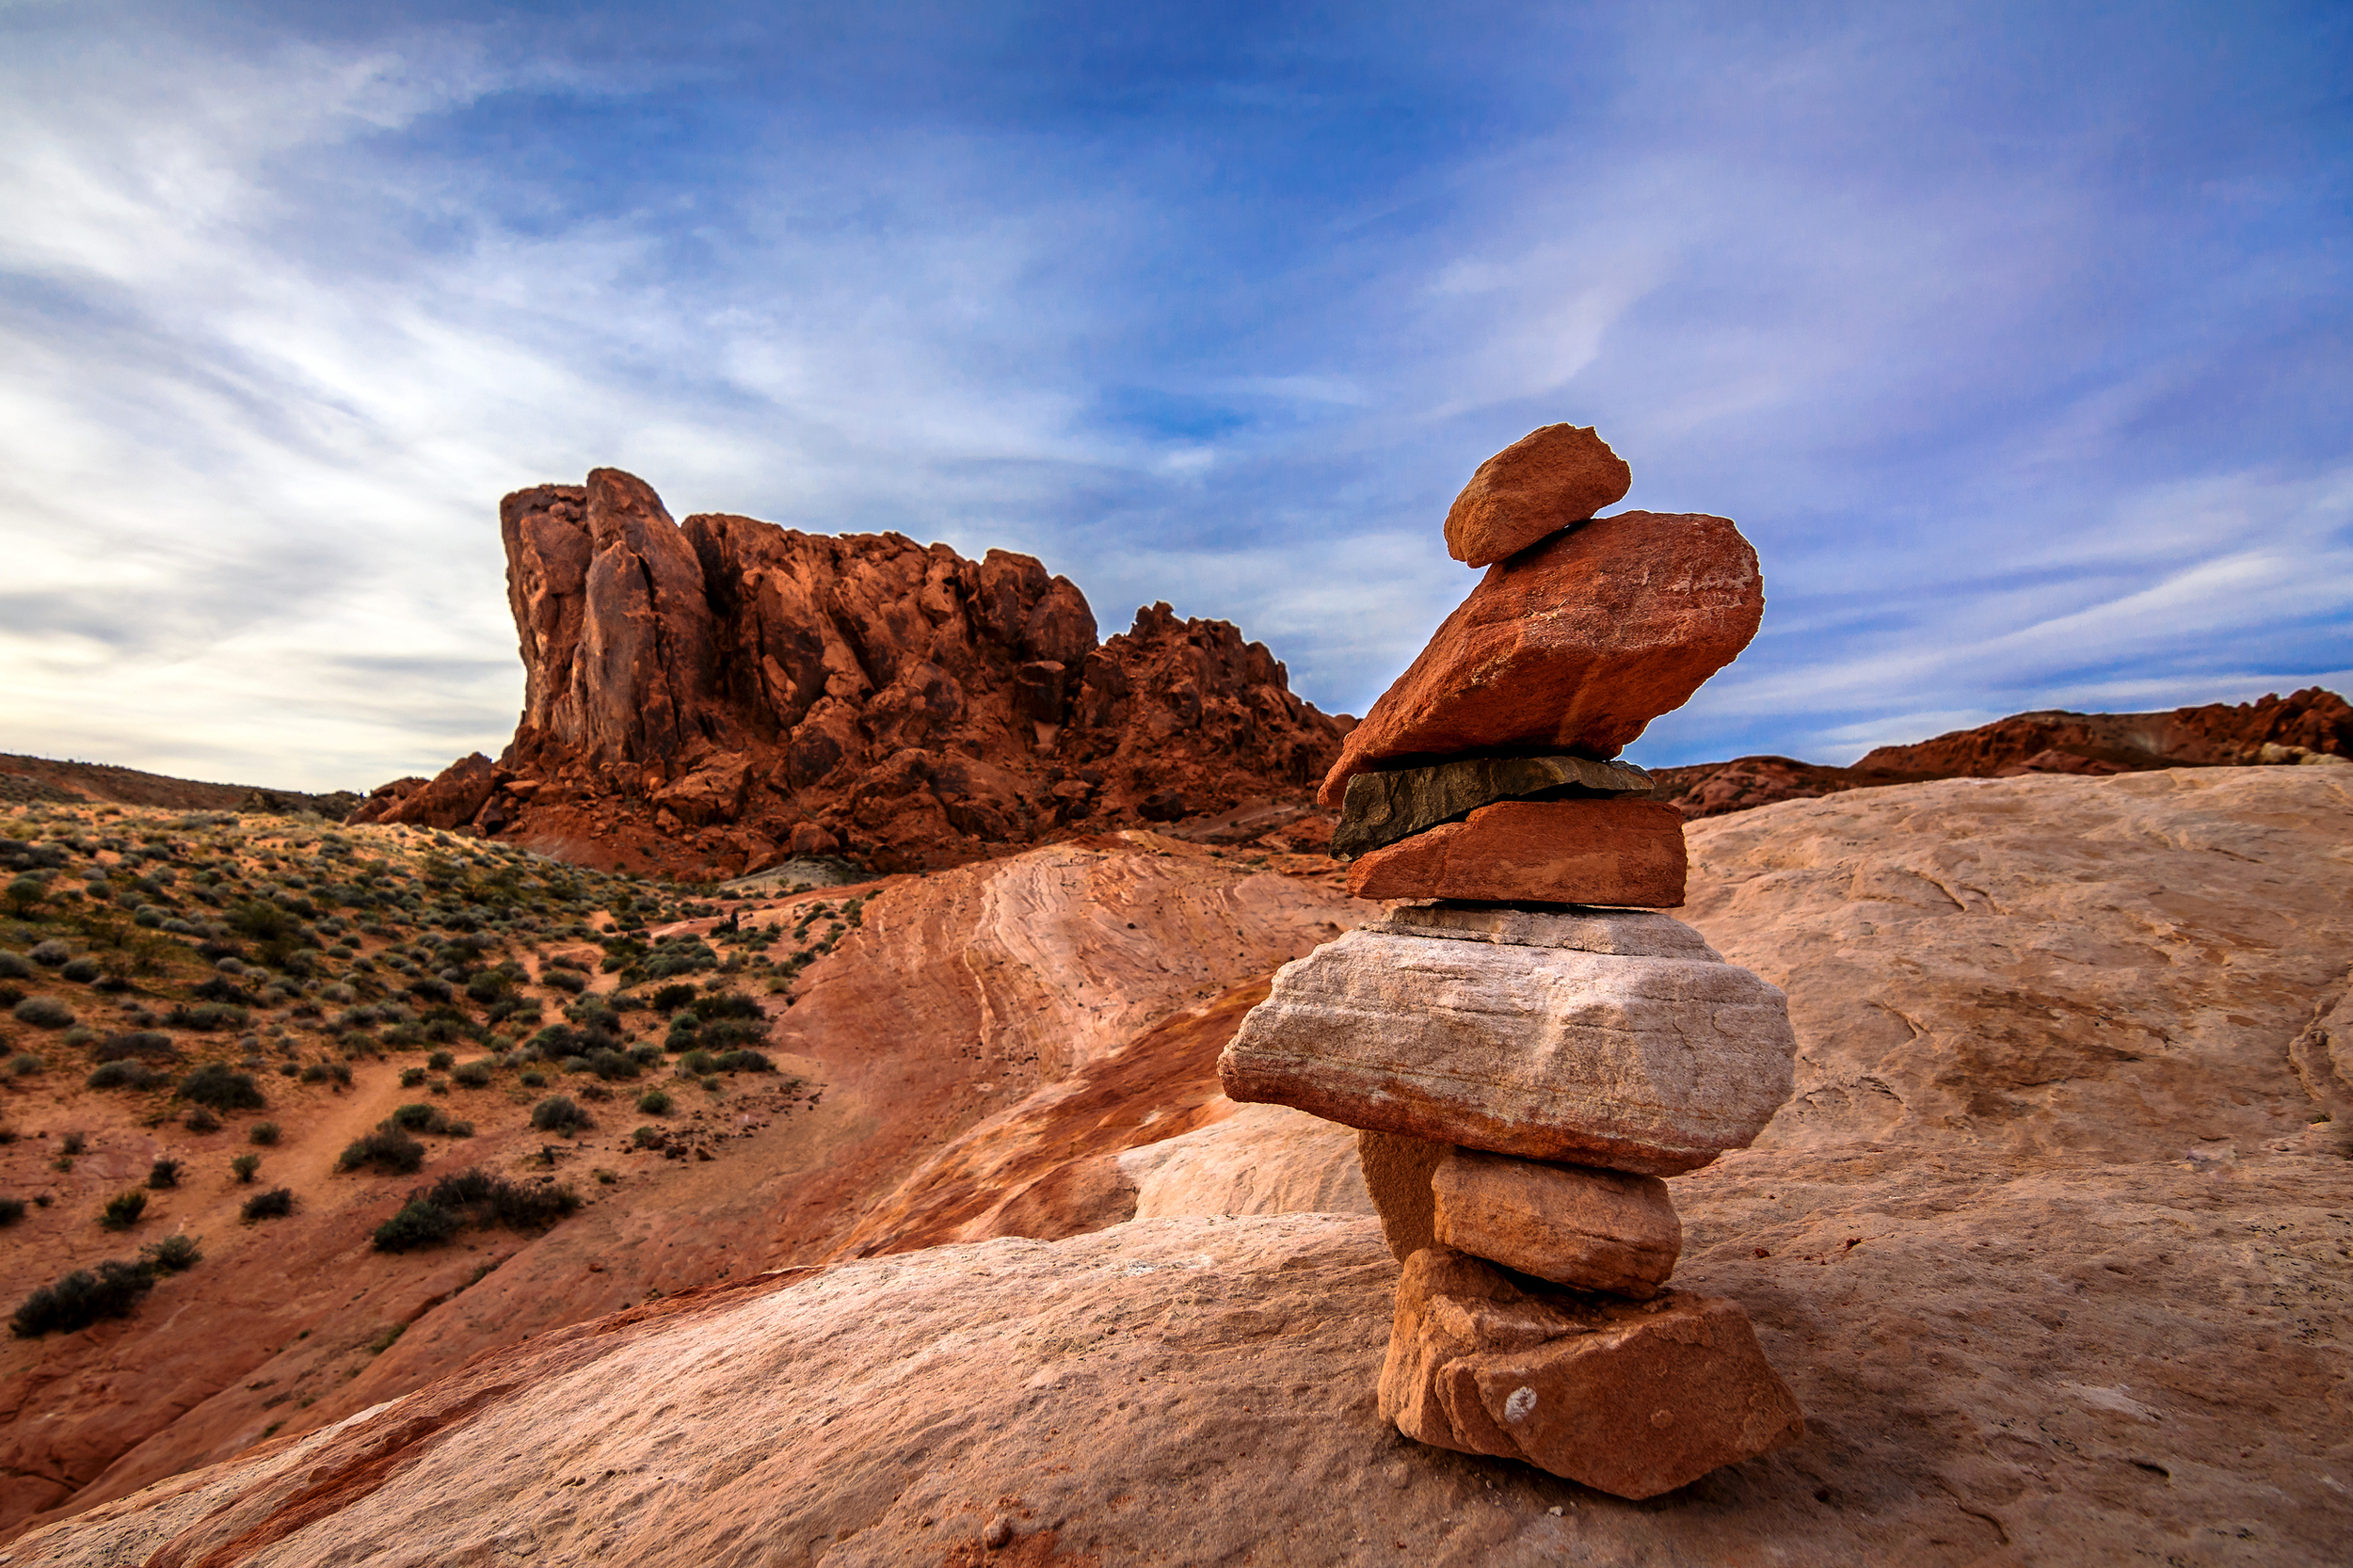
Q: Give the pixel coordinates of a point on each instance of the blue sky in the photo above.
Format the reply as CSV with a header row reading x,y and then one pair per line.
x,y
2015,336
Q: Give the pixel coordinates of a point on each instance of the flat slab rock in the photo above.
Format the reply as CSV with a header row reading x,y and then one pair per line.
x,y
1594,1230
1574,645
1386,805
1593,852
1654,1065
1633,1399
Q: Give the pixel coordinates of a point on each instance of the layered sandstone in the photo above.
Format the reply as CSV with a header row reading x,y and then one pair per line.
x,y
1572,646
1649,1065
707,697
1596,1230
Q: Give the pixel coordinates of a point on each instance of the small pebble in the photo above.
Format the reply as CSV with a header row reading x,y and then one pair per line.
x,y
999,1531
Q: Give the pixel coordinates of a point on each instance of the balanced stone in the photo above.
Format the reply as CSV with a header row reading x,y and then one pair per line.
x,y
1574,645
1650,1064
1628,933
1596,1230
1547,480
1390,804
1633,1399
1594,852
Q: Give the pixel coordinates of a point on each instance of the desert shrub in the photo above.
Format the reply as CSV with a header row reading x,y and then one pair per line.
x,y
244,1165
533,1080
82,1298
419,1223
413,1118
518,1205
123,1210
200,1119
220,1087
25,895
557,1114
263,1133
174,1255
72,1143
696,1064
743,1062
472,1075
431,989
732,1034
12,1210
126,1074
317,1072
389,1149
81,970
276,1203
24,1064
570,981
135,1042
609,1064
440,1061
207,1016
654,1102
725,1004
164,1174
411,1078
649,1138
43,1012
14,966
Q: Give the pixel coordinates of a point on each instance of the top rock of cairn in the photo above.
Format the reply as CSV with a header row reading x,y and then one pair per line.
x,y
1547,480
1525,1049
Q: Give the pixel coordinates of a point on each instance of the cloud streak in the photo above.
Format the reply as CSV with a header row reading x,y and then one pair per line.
x,y
2027,396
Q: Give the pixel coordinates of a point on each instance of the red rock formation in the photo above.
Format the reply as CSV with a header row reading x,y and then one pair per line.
x,y
706,698
1605,851
2049,741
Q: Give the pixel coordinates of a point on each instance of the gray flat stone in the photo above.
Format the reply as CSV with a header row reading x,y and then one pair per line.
x,y
1628,932
1386,805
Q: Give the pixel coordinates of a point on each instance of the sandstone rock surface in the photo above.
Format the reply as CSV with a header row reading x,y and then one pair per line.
x,y
1654,1065
1596,1230
704,697
1588,852
2043,1246
1548,479
1026,981
1389,804
1632,1400
1574,645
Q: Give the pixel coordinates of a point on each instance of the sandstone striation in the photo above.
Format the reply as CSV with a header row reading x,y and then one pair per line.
x,y
1568,852
707,698
1389,804
1547,480
1574,645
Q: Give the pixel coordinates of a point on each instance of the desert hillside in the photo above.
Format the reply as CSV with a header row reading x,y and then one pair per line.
x,y
2053,1243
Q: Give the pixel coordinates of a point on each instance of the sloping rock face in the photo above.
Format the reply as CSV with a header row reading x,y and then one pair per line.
x,y
1086,983
2219,734
2044,1246
707,697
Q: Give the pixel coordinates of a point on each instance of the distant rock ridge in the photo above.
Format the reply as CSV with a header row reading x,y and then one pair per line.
x,y
2310,725
707,697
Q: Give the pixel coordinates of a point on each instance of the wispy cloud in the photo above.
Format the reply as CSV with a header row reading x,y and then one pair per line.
x,y
2024,396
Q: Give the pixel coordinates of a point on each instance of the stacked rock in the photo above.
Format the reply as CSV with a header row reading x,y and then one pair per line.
x,y
1526,1046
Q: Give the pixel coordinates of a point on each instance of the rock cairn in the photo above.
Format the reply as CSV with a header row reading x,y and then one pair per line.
x,y
1525,1044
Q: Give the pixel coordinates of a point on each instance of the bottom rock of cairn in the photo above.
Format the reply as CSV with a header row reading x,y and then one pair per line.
x,y
1522,1079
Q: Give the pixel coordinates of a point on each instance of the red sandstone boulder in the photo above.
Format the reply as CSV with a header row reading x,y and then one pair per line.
x,y
450,800
1547,480
1630,1400
1596,1230
1623,852
1574,645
